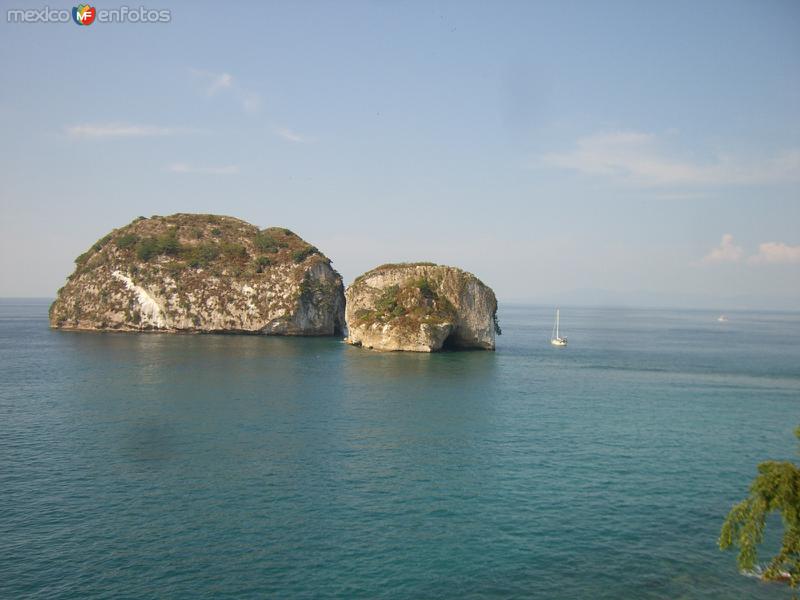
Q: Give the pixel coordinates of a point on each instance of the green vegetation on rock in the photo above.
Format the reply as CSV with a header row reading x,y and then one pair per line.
x,y
420,307
424,286
199,271
201,255
301,254
387,301
127,240
267,243
96,247
409,305
165,244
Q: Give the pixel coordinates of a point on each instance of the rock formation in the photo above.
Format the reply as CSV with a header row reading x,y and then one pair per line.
x,y
202,273
420,307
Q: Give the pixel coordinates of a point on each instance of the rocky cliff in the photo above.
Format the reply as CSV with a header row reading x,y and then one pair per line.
x,y
420,307
202,273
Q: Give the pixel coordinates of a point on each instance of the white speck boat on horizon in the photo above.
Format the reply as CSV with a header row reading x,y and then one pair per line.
x,y
722,319
556,339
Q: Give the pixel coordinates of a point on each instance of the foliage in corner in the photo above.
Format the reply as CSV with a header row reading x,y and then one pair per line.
x,y
776,488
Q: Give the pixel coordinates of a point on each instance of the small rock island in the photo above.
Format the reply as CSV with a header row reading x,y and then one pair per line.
x,y
202,273
420,307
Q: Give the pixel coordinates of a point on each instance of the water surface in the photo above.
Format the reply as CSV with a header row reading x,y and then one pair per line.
x,y
155,466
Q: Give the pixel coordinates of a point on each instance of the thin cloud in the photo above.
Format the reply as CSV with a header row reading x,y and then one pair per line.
x,y
637,158
292,136
769,253
727,251
220,82
120,130
217,83
184,168
775,253
213,82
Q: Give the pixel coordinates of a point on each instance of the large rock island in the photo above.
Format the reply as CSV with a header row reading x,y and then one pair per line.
x,y
202,273
420,307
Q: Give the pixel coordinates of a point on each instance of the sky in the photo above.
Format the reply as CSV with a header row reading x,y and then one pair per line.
x,y
564,152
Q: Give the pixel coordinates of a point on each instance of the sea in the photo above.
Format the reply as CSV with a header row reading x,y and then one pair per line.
x,y
228,466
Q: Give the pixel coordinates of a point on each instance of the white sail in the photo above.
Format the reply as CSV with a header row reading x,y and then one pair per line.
x,y
556,338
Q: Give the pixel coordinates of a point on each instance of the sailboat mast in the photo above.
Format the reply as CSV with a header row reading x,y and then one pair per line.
x,y
557,318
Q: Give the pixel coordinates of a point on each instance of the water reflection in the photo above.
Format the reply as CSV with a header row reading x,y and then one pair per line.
x,y
149,441
371,366
413,414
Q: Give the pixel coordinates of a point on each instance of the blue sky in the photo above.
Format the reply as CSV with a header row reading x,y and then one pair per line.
x,y
561,151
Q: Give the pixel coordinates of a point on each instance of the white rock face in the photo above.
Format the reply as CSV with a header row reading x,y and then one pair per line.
x,y
420,308
202,273
152,315
376,336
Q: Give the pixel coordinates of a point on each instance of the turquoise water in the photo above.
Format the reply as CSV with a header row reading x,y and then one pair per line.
x,y
163,466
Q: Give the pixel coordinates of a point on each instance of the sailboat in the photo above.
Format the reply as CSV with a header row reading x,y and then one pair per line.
x,y
556,339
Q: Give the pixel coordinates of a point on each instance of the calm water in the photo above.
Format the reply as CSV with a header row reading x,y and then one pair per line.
x,y
161,466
